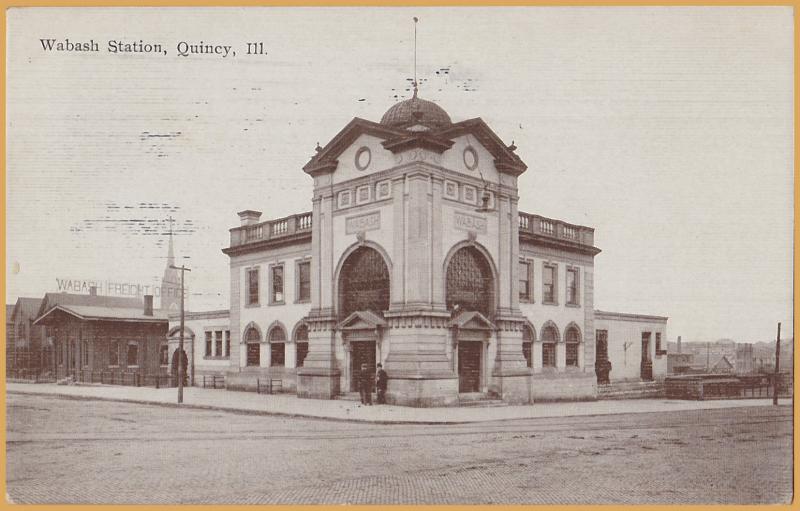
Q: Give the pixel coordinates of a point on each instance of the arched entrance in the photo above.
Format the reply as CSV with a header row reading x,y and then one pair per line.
x,y
364,290
470,299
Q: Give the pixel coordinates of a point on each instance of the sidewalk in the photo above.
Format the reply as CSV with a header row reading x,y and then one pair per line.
x,y
249,402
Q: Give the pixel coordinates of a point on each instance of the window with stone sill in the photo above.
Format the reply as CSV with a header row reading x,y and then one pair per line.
x,y
572,286
253,342
227,343
163,355
549,339
276,287
572,342
525,287
277,346
304,281
549,289
252,286
132,359
218,343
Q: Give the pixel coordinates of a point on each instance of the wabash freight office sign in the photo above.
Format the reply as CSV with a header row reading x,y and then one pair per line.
x,y
110,287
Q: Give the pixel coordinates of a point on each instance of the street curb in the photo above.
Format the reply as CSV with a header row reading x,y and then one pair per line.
x,y
244,411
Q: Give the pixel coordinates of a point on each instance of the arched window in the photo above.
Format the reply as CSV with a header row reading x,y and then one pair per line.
x,y
470,284
549,339
277,347
527,344
573,338
301,341
253,340
363,283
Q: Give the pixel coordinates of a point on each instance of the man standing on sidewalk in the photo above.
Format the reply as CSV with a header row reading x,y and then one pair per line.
x,y
380,383
365,385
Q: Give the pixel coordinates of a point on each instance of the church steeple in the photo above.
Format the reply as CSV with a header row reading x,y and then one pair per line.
x,y
170,282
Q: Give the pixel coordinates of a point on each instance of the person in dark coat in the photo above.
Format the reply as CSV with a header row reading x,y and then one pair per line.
x,y
380,383
184,364
365,385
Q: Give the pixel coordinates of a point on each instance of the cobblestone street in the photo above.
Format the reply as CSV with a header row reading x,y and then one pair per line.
x,y
80,451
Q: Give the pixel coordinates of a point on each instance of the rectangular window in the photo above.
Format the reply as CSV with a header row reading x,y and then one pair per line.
x,y
572,354
113,353
548,354
253,354
163,355
227,343
572,286
252,286
525,282
303,282
133,354
277,354
85,353
549,284
276,295
208,344
658,343
218,343
526,352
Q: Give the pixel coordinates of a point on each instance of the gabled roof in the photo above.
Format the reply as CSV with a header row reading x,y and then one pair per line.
x,y
27,306
471,320
52,299
722,363
101,313
396,140
361,320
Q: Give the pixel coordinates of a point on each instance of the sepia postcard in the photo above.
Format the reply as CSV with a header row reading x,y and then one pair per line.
x,y
399,255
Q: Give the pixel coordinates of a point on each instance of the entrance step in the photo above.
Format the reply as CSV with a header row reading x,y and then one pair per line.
x,y
350,396
479,399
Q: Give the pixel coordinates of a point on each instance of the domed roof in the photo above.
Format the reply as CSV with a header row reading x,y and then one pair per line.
x,y
416,111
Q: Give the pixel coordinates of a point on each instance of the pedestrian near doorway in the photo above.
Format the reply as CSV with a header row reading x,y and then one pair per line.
x,y
380,383
365,386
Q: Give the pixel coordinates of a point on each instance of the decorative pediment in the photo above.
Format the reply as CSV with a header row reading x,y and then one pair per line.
x,y
361,320
471,320
326,158
506,160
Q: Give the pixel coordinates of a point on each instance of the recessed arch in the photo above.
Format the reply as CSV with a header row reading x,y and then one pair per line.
x,y
300,332
470,278
547,328
363,279
252,326
276,332
574,329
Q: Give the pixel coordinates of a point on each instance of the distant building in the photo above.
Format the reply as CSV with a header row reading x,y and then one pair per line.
x,y
679,363
28,347
744,358
723,365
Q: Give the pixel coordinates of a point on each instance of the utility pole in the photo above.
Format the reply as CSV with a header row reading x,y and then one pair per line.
x,y
777,367
183,270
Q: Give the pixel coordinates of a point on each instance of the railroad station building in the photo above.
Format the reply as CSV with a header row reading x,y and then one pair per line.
x,y
415,255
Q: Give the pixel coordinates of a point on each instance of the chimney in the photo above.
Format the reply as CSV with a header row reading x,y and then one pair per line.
x,y
93,291
249,217
679,344
148,305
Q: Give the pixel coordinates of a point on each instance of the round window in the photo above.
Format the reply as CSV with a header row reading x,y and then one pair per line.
x,y
470,158
363,157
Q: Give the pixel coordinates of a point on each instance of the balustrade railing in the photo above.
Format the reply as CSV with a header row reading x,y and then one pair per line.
x,y
272,229
536,224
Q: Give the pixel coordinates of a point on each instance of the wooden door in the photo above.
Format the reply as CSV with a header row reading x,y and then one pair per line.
x,y
469,366
363,352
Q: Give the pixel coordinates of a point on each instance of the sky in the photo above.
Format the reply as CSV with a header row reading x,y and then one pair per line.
x,y
667,129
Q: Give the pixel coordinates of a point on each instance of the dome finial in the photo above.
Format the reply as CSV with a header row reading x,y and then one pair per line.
x,y
416,20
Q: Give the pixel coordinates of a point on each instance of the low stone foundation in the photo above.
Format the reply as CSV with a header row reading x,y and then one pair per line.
x,y
318,383
250,378
569,386
422,392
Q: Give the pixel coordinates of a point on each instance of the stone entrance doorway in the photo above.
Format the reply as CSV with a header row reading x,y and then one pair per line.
x,y
363,352
469,366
